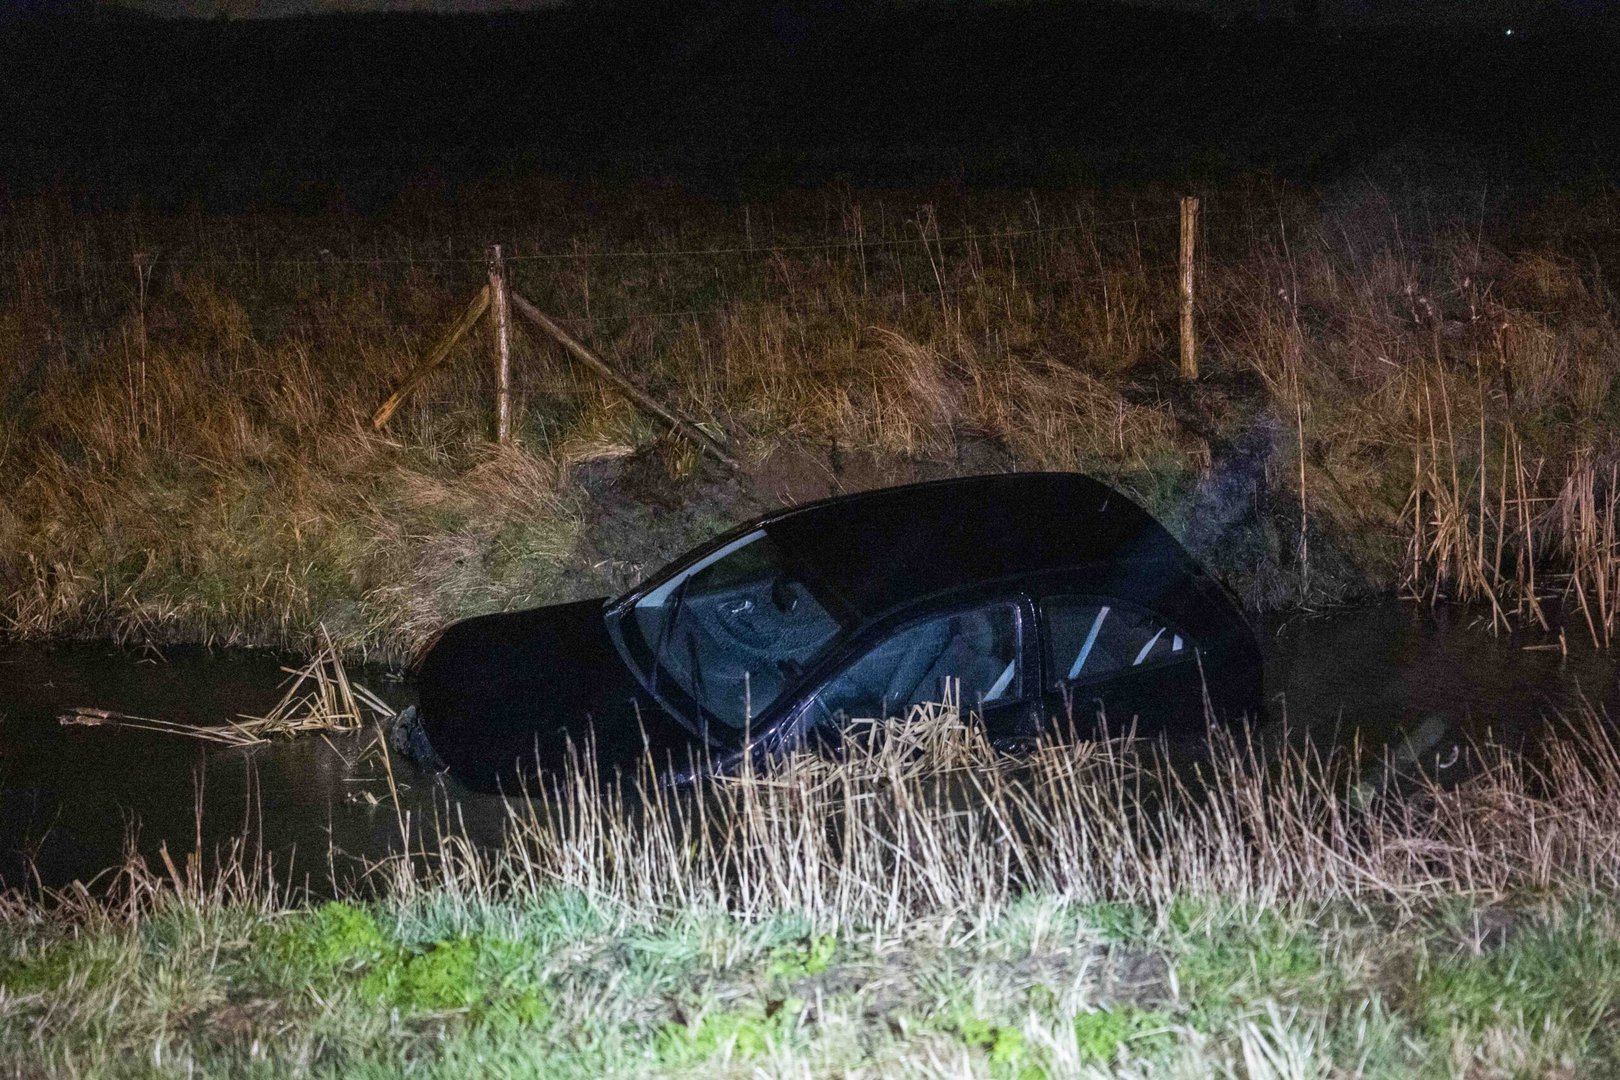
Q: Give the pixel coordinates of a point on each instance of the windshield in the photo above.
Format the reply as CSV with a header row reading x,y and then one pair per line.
x,y
730,632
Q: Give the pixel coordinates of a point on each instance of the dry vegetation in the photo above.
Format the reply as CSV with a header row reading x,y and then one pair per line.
x,y
929,819
1401,390
923,907
320,697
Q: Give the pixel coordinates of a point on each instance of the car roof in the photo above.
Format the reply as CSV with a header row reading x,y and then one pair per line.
x,y
880,550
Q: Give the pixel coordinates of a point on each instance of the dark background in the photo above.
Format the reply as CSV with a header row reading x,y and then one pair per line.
x,y
105,104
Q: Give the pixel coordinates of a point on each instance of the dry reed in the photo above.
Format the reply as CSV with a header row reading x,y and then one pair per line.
x,y
320,697
932,820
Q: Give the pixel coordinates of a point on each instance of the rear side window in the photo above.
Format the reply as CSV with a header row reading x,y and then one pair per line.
x,y
979,649
1092,638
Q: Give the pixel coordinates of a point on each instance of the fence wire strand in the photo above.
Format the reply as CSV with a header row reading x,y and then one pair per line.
x,y
844,243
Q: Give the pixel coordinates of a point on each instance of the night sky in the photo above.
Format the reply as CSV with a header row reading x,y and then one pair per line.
x,y
1331,10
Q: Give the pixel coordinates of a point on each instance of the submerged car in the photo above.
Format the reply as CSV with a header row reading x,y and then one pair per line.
x,y
1033,599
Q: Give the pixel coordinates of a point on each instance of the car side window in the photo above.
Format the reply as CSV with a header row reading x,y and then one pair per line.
x,y
979,647
1092,638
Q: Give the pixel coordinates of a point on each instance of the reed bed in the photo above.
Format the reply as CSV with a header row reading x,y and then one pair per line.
x,y
931,820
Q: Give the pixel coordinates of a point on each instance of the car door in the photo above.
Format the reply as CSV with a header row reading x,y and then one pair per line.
x,y
980,655
1111,663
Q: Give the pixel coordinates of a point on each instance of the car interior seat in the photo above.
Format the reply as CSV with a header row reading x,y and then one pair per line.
x,y
908,681
968,656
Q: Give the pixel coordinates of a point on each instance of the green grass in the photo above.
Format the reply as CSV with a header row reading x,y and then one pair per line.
x,y
1240,957
366,989
1561,973
810,956
745,1033
475,974
1112,1032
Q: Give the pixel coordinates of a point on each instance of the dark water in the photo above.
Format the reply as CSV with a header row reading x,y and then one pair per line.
x,y
70,797
1386,670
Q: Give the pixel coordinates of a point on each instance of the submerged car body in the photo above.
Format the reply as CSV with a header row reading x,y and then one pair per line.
x,y
1034,598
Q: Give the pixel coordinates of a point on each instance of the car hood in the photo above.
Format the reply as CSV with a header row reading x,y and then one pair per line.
x,y
507,698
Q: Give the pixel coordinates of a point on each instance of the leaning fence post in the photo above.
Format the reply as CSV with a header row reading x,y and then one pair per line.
x,y
499,311
1189,334
643,400
420,372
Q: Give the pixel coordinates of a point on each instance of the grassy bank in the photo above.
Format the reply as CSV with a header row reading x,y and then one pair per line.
x,y
1408,386
558,988
921,908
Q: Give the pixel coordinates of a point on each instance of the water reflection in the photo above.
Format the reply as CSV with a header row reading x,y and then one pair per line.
x,y
70,797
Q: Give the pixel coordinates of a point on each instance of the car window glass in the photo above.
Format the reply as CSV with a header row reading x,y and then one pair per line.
x,y
734,629
978,647
1091,638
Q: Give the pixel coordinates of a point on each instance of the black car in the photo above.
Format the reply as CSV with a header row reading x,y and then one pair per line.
x,y
1046,596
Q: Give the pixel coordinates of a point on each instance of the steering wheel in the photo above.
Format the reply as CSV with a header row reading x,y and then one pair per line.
x,y
731,623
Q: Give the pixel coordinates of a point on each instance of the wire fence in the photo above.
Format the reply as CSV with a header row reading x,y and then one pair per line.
x,y
1151,233
324,257
1482,191
931,284
925,294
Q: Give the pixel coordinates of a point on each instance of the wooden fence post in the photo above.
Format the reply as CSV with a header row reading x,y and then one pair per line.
x,y
500,312
1189,333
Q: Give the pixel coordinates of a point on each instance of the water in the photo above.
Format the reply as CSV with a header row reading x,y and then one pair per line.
x,y
1387,669
71,797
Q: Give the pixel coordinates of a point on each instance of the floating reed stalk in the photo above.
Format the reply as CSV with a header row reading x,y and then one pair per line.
x,y
320,697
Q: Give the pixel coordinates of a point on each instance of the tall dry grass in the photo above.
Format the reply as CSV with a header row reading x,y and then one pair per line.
x,y
1399,392
932,822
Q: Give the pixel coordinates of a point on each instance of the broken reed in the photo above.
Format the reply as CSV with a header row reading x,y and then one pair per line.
x,y
320,697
